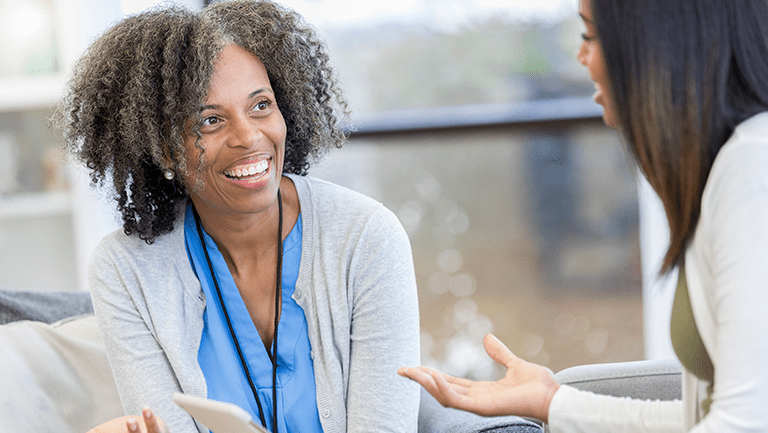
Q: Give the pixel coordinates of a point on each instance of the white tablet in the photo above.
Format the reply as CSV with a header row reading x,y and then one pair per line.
x,y
218,416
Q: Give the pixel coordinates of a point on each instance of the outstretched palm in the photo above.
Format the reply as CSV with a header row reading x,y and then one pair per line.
x,y
525,390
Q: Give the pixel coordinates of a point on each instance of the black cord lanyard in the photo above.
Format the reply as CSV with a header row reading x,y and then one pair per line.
x,y
278,288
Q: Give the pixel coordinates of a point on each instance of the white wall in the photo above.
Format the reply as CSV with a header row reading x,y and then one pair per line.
x,y
133,6
658,292
93,216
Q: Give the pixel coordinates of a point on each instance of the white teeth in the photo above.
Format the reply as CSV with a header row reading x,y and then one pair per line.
x,y
251,170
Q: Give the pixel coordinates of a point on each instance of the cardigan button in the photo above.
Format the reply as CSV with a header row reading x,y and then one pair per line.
x,y
311,354
326,413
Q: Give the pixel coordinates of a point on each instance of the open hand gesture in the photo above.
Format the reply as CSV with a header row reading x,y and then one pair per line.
x,y
525,390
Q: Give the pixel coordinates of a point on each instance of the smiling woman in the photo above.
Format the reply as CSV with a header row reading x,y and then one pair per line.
x,y
242,140
591,55
236,277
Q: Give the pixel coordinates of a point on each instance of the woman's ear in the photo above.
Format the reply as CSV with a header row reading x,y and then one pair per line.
x,y
168,165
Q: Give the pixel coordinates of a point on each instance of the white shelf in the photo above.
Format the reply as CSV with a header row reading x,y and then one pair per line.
x,y
35,205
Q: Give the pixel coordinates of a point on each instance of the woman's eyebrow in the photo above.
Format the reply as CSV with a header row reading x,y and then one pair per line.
x,y
259,91
251,95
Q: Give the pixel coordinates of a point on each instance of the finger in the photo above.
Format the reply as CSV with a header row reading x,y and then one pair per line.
x,y
450,396
422,376
457,382
153,423
498,351
458,385
132,425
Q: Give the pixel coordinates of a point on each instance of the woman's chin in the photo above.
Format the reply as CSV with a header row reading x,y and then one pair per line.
x,y
610,120
610,117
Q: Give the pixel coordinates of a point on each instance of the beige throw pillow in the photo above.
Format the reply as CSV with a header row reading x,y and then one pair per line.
x,y
55,378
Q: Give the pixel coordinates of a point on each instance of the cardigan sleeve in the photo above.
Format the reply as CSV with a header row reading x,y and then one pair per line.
x,y
384,330
143,372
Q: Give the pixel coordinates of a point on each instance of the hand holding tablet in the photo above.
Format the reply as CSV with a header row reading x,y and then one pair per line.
x,y
218,416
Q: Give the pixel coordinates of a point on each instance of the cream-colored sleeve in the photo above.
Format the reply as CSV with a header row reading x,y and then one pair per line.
x,y
576,411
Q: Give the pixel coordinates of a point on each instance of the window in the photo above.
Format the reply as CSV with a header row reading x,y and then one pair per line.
x,y
521,224
475,128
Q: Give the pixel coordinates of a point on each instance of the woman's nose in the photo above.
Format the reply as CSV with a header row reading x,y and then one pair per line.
x,y
244,133
581,54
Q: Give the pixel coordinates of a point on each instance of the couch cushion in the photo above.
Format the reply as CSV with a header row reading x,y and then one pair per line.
x,y
46,307
55,377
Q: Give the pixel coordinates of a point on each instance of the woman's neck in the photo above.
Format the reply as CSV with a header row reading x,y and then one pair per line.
x,y
245,240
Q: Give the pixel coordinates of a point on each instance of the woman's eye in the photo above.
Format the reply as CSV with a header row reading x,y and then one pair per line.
x,y
587,38
261,105
210,121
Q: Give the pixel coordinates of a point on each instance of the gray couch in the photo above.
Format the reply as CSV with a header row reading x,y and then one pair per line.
x,y
56,378
646,380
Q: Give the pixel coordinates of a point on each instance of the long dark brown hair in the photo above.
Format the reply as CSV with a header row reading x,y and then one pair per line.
x,y
683,74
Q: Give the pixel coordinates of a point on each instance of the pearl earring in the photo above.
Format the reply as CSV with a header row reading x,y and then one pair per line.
x,y
168,174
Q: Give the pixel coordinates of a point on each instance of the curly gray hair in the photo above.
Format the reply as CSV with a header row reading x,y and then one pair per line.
x,y
140,85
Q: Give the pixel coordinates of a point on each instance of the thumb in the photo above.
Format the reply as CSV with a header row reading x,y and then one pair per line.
x,y
498,351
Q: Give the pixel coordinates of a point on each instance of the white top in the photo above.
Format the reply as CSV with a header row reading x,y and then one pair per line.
x,y
356,286
726,268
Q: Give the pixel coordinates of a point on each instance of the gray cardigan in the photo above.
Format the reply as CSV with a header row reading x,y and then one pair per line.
x,y
356,286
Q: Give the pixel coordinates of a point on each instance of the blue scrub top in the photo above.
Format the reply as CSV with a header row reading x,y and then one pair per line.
x,y
224,375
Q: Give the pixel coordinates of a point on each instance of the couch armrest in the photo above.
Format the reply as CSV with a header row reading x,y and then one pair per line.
x,y
46,307
645,380
652,379
434,418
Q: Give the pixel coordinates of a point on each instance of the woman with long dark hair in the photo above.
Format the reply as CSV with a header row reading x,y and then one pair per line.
x,y
686,82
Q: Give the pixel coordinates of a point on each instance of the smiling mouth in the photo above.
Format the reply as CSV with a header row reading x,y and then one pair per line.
x,y
255,169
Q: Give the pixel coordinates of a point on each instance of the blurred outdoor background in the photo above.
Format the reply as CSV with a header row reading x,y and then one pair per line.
x,y
475,125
